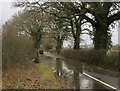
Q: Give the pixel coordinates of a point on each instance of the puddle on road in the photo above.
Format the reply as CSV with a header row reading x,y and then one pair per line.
x,y
70,75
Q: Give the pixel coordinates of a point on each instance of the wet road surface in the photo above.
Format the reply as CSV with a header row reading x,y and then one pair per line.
x,y
70,74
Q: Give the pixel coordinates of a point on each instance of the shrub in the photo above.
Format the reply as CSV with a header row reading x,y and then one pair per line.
x,y
93,57
17,51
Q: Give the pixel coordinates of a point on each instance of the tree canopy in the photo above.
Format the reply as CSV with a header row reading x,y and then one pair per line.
x,y
101,16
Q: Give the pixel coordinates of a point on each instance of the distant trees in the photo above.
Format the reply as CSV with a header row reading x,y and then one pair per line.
x,y
59,33
56,33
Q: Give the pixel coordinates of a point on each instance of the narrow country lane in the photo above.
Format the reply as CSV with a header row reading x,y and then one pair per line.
x,y
77,79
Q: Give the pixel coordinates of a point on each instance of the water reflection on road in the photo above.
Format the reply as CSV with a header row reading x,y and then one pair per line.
x,y
71,77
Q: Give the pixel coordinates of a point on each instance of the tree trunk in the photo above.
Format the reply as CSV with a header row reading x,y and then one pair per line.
x,y
77,35
59,45
101,37
101,43
37,57
76,31
76,43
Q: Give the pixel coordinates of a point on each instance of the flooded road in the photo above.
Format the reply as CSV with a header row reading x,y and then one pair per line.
x,y
70,74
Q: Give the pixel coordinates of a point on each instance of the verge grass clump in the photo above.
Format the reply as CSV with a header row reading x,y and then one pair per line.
x,y
48,79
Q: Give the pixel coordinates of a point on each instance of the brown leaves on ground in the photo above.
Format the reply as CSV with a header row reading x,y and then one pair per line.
x,y
21,78
36,76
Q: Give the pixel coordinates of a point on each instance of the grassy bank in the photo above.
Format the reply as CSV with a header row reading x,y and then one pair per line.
x,y
38,76
18,70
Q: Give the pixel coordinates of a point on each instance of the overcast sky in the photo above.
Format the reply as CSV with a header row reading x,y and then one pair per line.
x,y
7,11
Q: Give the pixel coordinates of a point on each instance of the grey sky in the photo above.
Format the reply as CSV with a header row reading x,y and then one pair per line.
x,y
7,11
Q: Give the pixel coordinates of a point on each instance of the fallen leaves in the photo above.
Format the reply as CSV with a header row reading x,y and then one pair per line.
x,y
21,78
35,77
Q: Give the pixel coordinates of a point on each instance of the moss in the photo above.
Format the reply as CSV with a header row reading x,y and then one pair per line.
x,y
48,79
19,86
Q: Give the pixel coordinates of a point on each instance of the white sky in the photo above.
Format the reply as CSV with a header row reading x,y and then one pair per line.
x,y
7,11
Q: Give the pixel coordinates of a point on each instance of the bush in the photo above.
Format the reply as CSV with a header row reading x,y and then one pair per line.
x,y
93,57
17,51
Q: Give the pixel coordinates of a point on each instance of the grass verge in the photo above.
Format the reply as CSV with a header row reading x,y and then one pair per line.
x,y
38,76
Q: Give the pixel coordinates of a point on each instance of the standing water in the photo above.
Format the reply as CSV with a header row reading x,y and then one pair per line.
x,y
70,75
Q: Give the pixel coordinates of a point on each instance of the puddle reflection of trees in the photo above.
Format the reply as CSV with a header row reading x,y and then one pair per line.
x,y
68,74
